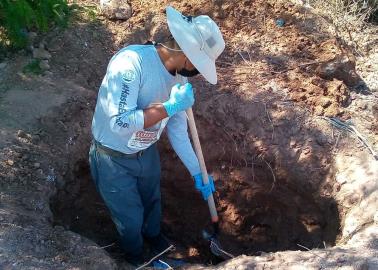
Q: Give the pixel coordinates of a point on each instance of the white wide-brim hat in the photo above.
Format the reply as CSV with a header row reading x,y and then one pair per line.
x,y
199,38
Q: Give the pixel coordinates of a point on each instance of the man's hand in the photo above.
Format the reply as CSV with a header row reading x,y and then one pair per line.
x,y
181,98
207,189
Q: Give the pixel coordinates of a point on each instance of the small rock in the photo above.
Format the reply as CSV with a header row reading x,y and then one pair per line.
x,y
29,49
321,139
21,134
332,110
3,65
293,143
341,179
44,65
56,44
31,37
341,67
18,155
10,162
319,110
116,9
41,53
37,165
219,14
48,73
375,218
59,229
362,105
42,45
157,28
325,102
36,138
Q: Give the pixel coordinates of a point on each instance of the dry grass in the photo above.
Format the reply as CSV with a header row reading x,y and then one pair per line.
x,y
347,16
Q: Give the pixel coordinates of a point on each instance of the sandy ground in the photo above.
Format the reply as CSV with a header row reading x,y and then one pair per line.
x,y
286,179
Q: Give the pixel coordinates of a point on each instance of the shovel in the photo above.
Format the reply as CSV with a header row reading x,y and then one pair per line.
x,y
215,246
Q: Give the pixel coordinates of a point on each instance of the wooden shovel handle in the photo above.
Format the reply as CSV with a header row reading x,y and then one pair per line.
x,y
201,160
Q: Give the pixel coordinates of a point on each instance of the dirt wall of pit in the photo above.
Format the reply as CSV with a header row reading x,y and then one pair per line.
x,y
37,145
271,156
35,166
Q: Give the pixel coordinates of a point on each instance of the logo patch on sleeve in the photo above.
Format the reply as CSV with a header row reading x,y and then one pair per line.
x,y
129,76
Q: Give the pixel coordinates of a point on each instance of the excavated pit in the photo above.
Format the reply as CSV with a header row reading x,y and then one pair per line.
x,y
260,210
279,168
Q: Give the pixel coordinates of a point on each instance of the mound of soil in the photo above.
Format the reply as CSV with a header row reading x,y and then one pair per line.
x,y
282,175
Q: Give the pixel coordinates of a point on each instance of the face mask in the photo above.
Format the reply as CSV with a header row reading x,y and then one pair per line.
x,y
188,73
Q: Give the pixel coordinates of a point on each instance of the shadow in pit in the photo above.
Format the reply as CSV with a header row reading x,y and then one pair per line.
x,y
79,208
80,54
274,188
276,185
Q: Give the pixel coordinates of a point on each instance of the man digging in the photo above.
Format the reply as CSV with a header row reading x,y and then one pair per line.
x,y
145,89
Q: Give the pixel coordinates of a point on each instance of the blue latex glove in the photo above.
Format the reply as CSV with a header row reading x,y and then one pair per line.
x,y
206,190
181,98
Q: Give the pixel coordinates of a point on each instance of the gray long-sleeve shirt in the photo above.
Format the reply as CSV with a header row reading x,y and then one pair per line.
x,y
135,79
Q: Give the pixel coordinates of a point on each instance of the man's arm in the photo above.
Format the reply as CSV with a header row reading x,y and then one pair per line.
x,y
180,99
123,83
178,136
154,114
177,131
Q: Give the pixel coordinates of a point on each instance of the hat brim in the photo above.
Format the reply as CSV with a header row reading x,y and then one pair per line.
x,y
184,35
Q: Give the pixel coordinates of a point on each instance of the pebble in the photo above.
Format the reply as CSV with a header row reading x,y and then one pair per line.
x,y
36,139
293,143
306,151
41,53
321,139
21,134
3,65
116,9
10,162
44,65
37,165
48,73
32,36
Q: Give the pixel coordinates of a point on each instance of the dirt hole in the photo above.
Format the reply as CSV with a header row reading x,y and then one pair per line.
x,y
254,217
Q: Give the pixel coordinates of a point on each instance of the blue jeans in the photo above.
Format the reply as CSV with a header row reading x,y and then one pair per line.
x,y
130,188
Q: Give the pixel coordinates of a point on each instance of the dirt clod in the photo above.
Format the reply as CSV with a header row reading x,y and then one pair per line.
x,y
341,67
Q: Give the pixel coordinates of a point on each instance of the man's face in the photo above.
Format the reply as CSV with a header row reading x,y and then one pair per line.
x,y
188,70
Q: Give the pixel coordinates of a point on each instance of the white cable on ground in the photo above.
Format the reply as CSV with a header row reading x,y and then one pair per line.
x,y
166,264
171,247
212,243
350,128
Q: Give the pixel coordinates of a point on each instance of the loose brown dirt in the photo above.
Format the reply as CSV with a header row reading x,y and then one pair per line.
x,y
272,155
